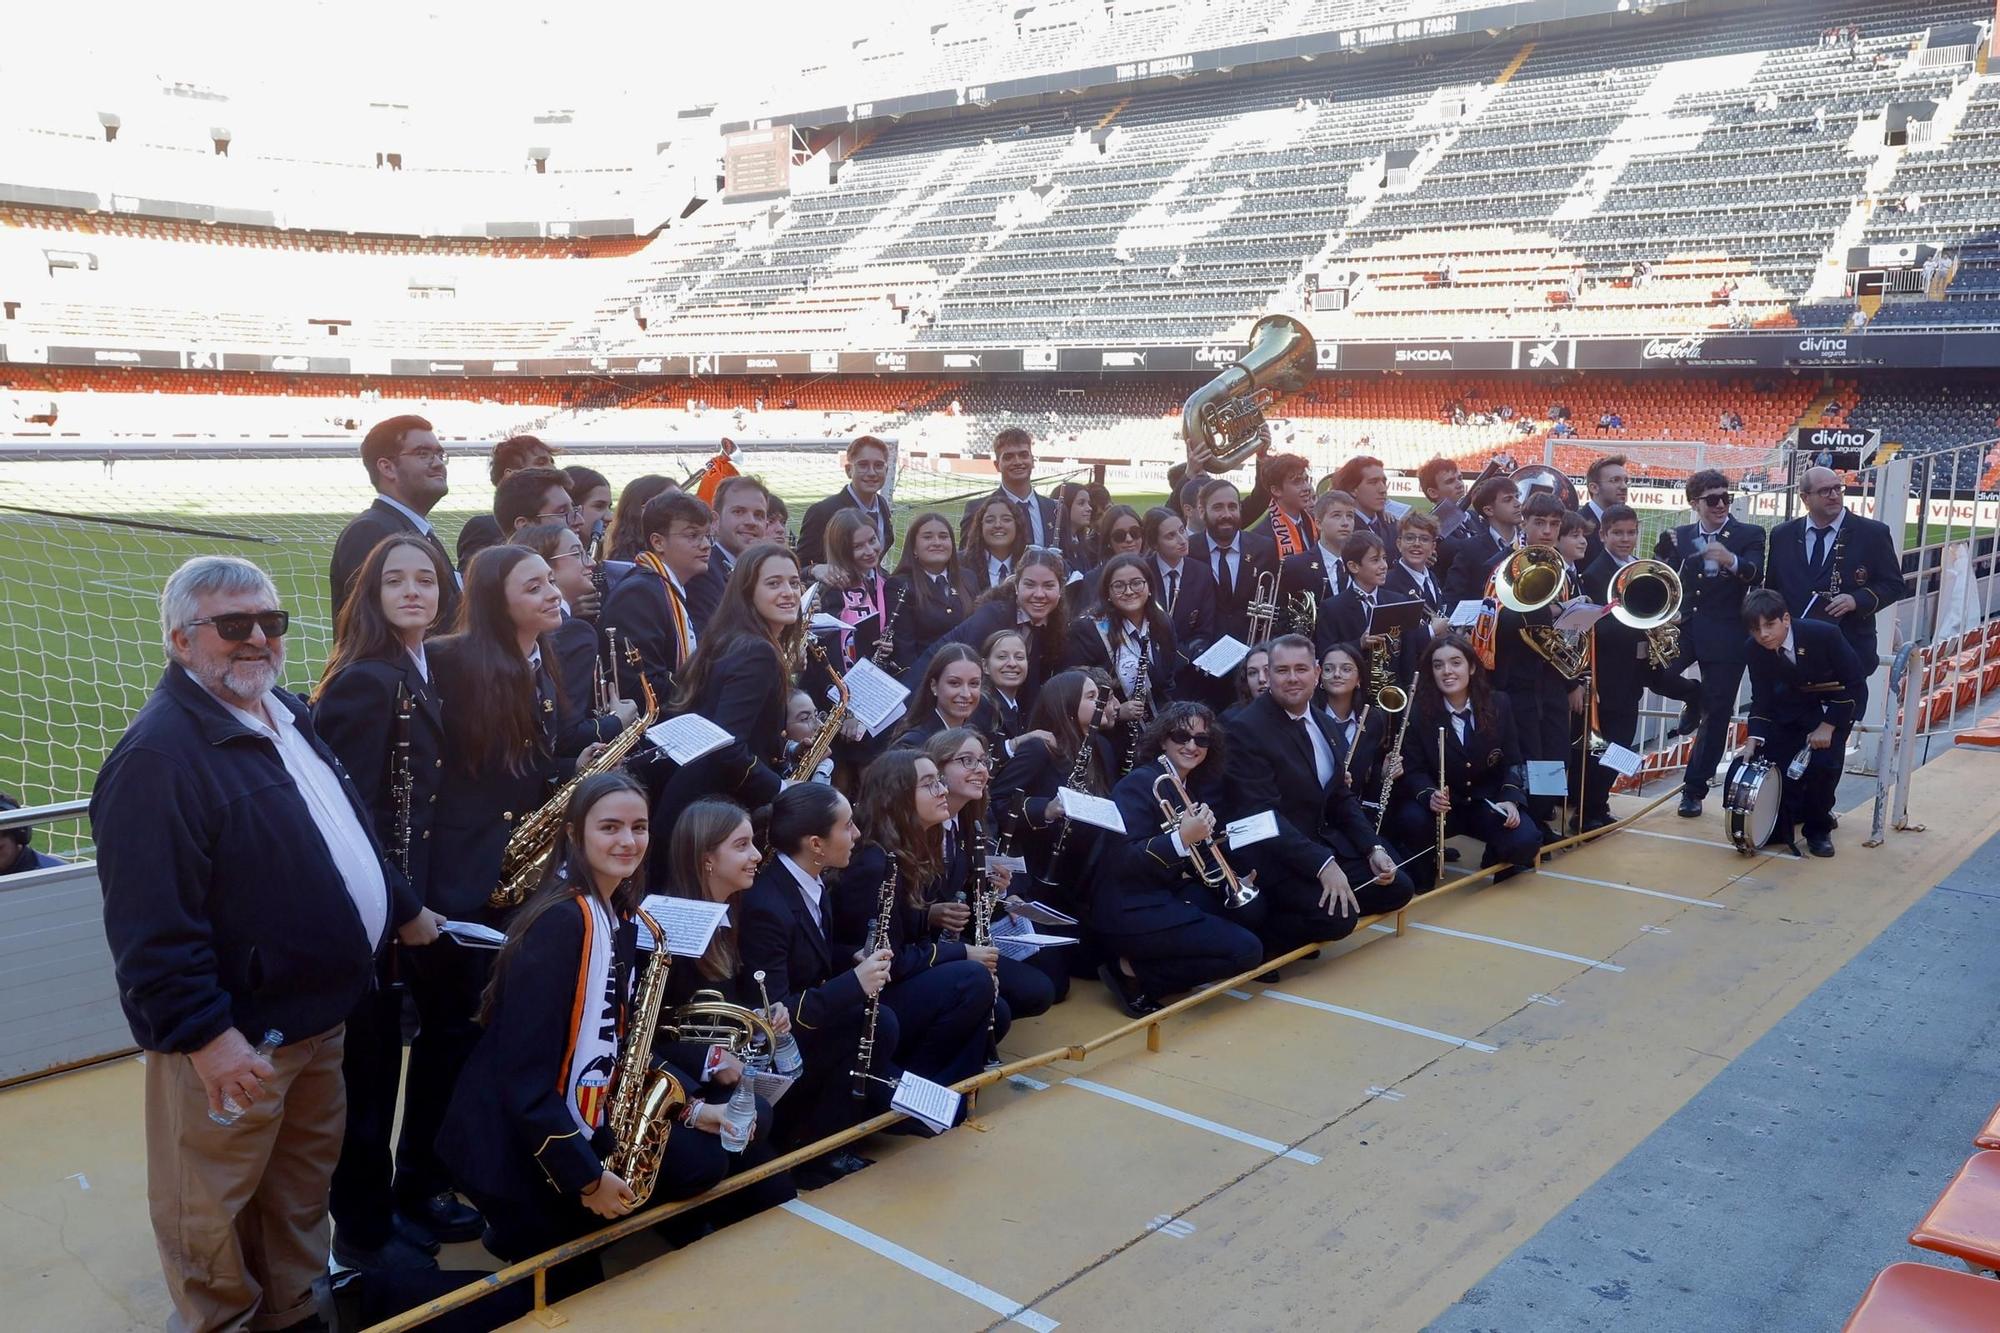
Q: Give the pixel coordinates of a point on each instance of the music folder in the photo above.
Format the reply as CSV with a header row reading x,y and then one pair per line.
x,y
1403,616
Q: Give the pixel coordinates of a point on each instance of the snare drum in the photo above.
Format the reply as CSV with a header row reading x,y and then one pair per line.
x,y
1752,792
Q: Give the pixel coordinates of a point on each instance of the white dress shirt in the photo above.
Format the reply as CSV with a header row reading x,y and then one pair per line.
x,y
1033,505
340,831
422,660
1323,762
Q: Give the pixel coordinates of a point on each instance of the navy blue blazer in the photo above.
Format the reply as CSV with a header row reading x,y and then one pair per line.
x,y
355,714
637,608
1139,891
1191,611
1712,602
1256,556
1862,562
1822,686
803,971
363,533
217,912
1043,503
1270,767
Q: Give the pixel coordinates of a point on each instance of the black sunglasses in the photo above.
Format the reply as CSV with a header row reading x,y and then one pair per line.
x,y
1721,499
235,627
1197,739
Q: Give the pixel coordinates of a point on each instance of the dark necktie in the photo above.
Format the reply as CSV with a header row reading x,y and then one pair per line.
x,y
1001,577
1461,721
1819,546
1173,588
1224,583
1025,510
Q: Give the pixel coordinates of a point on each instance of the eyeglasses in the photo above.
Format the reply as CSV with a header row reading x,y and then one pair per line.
x,y
1199,739
1717,500
1126,587
932,785
429,455
235,626
566,555
971,761
564,513
1829,492
1419,539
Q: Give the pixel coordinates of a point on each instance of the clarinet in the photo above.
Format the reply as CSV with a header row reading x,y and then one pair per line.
x,y
885,647
982,915
1142,690
403,783
1079,772
878,935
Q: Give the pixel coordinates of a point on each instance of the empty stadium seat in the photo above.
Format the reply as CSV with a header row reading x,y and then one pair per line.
x,y
1917,1298
1965,1220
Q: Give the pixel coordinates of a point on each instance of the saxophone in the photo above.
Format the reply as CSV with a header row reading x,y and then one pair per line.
x,y
526,861
645,1102
878,936
815,751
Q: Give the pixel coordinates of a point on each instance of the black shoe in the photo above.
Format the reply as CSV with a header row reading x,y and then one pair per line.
x,y
1451,853
445,1217
1134,1001
414,1234
1690,721
1821,846
1596,822
1268,978
823,1171
1690,807
1503,875
394,1255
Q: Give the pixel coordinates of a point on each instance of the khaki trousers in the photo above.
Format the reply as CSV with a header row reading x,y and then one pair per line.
x,y
239,1212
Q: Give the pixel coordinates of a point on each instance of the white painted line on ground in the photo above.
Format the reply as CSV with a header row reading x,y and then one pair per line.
x,y
82,1181
1515,944
1386,1094
1031,1084
1012,1310
1367,1017
1554,1002
1634,888
1682,837
1198,1122
1654,930
1239,995
1179,1228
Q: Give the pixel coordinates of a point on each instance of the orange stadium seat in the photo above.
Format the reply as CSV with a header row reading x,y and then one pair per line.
x,y
1965,1221
1918,1298
1989,1136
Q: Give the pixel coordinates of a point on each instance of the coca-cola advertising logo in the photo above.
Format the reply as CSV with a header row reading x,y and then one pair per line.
x,y
1672,349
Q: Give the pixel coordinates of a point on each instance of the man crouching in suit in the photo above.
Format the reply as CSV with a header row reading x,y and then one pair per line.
x,y
1804,682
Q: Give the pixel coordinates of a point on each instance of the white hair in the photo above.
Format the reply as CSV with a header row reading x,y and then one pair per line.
x,y
204,576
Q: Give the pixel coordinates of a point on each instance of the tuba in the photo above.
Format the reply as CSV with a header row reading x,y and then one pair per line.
x,y
525,863
645,1102
1222,422
1646,595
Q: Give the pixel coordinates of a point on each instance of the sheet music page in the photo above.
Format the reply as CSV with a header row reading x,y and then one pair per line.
x,y
769,1085
874,696
1579,615
1251,829
473,935
1042,914
1222,657
1006,931
1620,760
932,1103
1041,941
1465,613
1548,777
688,923
1099,811
688,737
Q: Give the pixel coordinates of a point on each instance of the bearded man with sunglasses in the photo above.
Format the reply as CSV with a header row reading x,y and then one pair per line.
x,y
245,897
1719,558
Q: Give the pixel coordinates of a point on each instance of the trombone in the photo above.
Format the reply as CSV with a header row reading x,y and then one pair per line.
x,y
1209,864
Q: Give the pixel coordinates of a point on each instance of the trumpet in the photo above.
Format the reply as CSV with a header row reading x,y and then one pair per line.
x,y
1263,607
1210,866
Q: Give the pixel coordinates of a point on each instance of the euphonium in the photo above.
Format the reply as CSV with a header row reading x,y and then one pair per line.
x,y
1210,866
1222,422
1263,607
1532,578
645,1102
526,861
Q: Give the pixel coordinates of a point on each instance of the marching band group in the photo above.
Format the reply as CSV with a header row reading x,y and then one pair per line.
x,y
1049,643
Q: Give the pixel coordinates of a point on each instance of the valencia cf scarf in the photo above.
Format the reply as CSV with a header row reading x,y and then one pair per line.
x,y
593,1033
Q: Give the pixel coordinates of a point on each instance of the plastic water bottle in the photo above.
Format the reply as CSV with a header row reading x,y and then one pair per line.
x,y
232,1111
787,1057
1797,768
739,1117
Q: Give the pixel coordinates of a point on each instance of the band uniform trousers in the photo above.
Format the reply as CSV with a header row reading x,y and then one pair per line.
x,y
239,1211
446,981
1720,682
362,1203
1181,958
1807,805
821,1102
1415,825
1293,917
1542,721
941,1013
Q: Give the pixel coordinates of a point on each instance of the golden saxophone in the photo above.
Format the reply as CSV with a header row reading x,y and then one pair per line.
x,y
645,1102
526,860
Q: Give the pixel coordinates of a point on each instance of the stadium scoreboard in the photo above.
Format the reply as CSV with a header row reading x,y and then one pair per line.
x,y
757,164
